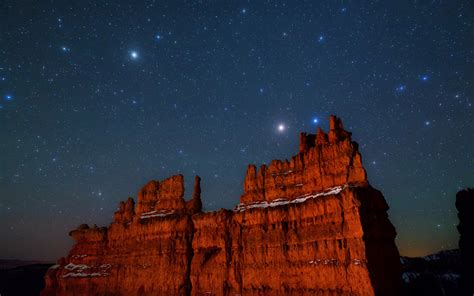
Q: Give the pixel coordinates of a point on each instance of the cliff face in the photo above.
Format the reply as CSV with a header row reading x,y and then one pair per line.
x,y
309,226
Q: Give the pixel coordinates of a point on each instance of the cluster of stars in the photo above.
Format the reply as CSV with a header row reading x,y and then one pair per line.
x,y
112,97
402,87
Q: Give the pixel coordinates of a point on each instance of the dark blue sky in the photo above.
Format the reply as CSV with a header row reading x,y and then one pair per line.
x,y
99,97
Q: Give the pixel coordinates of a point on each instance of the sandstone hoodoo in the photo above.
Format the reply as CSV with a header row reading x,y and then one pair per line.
x,y
311,225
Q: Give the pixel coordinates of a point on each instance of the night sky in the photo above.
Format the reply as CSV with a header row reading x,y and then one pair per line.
x,y
99,97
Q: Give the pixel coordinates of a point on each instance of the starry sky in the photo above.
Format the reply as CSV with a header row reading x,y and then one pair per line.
x,y
99,97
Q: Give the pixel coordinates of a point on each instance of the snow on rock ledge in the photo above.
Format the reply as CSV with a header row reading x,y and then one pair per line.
x,y
154,214
281,201
83,270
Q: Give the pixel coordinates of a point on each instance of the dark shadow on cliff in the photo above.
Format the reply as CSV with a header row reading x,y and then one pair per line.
x,y
379,235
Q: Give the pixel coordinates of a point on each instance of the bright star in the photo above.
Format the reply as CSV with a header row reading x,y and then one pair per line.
x,y
320,38
244,11
424,77
65,49
315,120
8,97
134,55
281,127
158,37
427,123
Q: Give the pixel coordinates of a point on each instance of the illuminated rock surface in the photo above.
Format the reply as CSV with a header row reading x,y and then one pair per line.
x,y
308,226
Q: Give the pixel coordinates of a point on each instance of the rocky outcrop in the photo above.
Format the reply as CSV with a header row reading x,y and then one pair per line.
x,y
465,206
145,251
311,225
324,161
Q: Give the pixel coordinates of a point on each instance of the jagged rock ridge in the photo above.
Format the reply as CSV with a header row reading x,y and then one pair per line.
x,y
308,226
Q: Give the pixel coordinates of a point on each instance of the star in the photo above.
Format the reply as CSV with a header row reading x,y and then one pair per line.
x,y
427,123
320,38
134,55
424,77
8,97
243,11
281,127
65,49
158,37
401,88
315,120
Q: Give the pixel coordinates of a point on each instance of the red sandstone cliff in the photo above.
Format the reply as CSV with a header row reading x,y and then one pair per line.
x,y
309,226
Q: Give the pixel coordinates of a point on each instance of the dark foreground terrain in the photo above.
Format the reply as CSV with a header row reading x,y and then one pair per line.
x,y
16,278
436,274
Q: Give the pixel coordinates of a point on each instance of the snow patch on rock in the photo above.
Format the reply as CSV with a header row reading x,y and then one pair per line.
x,y
281,201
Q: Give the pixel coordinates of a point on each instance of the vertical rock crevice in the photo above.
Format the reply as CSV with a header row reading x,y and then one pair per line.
x,y
189,258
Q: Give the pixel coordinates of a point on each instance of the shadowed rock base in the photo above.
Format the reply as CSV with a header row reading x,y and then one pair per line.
x,y
308,226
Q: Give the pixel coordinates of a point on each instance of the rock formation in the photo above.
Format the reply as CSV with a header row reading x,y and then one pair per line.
x,y
308,226
465,206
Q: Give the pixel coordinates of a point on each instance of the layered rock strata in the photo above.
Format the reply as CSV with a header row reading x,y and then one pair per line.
x,y
308,226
